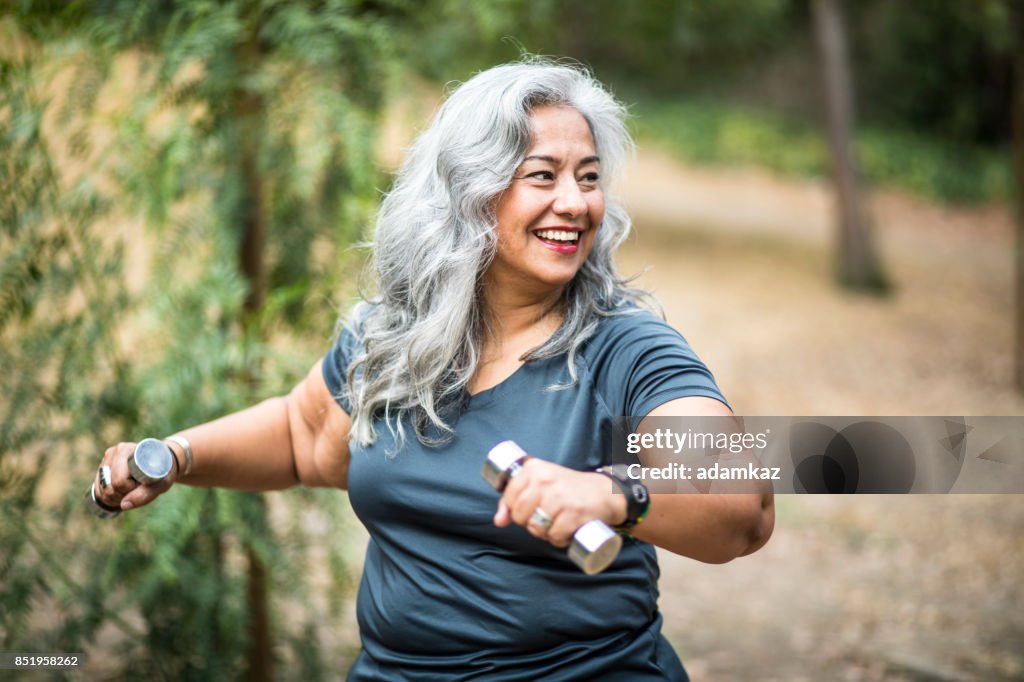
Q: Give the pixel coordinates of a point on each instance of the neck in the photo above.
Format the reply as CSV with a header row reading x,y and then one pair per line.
x,y
509,314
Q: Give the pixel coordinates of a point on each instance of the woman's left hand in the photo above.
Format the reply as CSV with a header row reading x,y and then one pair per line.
x,y
567,497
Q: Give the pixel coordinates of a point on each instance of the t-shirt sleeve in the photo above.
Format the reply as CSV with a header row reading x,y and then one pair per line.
x,y
644,363
336,363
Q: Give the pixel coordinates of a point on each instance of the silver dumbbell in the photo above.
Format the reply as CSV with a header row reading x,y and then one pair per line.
x,y
594,545
151,462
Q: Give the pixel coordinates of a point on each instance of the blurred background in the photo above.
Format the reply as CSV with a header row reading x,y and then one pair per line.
x,y
823,198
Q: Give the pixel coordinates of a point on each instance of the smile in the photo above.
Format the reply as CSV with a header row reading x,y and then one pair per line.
x,y
561,236
562,241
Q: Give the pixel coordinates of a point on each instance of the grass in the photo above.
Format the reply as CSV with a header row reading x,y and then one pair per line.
x,y
714,133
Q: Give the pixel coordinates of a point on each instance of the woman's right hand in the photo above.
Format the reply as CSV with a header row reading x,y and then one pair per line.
x,y
569,498
123,491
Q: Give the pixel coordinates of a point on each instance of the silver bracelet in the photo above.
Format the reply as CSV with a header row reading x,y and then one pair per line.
x,y
186,448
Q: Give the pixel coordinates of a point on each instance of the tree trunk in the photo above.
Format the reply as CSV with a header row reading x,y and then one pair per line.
x,y
1017,22
261,662
249,112
858,266
251,210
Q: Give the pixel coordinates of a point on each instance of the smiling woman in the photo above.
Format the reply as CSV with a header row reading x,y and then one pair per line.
x,y
549,214
499,315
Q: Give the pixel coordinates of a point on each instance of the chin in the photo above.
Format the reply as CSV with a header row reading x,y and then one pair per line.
x,y
560,279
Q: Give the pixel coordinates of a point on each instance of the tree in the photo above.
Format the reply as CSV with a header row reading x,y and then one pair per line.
x,y
1017,39
858,266
247,139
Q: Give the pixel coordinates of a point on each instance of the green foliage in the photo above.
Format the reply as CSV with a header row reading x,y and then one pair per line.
x,y
656,44
943,68
187,118
709,132
665,43
446,37
737,81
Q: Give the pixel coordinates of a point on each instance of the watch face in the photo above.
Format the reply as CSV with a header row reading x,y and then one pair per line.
x,y
153,458
640,493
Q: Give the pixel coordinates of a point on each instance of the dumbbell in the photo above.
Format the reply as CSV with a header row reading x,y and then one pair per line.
x,y
594,545
151,462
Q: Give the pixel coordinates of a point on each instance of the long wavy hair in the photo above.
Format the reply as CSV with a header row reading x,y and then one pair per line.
x,y
435,236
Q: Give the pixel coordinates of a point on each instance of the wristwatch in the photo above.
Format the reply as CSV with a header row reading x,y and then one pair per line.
x,y
638,500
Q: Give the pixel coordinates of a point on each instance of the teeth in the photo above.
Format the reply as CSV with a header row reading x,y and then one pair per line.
x,y
558,235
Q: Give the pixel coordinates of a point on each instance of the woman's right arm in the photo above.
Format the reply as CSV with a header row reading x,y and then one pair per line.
x,y
300,438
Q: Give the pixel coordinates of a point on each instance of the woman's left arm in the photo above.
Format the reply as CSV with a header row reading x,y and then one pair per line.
x,y
710,527
713,527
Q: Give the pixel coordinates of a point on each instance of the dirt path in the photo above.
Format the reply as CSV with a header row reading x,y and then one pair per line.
x,y
743,269
871,588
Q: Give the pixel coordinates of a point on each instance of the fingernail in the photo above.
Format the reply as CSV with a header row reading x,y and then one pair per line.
x,y
126,505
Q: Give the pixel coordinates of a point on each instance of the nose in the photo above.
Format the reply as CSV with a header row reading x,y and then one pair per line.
x,y
569,199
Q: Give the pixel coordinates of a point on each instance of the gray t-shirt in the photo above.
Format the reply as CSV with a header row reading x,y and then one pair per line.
x,y
447,595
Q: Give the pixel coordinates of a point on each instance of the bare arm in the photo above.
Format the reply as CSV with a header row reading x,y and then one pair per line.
x,y
714,528
301,438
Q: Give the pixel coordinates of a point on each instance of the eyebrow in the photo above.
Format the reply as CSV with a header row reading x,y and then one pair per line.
x,y
550,159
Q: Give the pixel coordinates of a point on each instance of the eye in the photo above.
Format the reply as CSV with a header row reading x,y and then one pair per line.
x,y
543,175
590,179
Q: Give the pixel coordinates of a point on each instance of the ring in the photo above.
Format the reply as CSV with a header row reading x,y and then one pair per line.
x,y
104,476
541,519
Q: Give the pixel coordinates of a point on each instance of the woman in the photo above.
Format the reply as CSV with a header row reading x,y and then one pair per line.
x,y
499,315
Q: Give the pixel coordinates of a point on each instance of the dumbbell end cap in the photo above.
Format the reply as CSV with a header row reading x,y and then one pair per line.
x,y
151,461
594,547
499,461
98,508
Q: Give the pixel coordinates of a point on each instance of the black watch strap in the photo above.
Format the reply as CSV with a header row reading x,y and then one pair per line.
x,y
638,500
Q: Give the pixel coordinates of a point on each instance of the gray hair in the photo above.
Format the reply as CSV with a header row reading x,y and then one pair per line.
x,y
436,236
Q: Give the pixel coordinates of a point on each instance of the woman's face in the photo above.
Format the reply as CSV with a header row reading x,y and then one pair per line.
x,y
549,215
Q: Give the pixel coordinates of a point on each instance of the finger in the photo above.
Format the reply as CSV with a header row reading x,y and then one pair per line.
x,y
502,517
144,494
524,505
120,476
106,493
558,531
515,484
108,457
536,530
525,495
104,462
561,531
510,495
103,493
